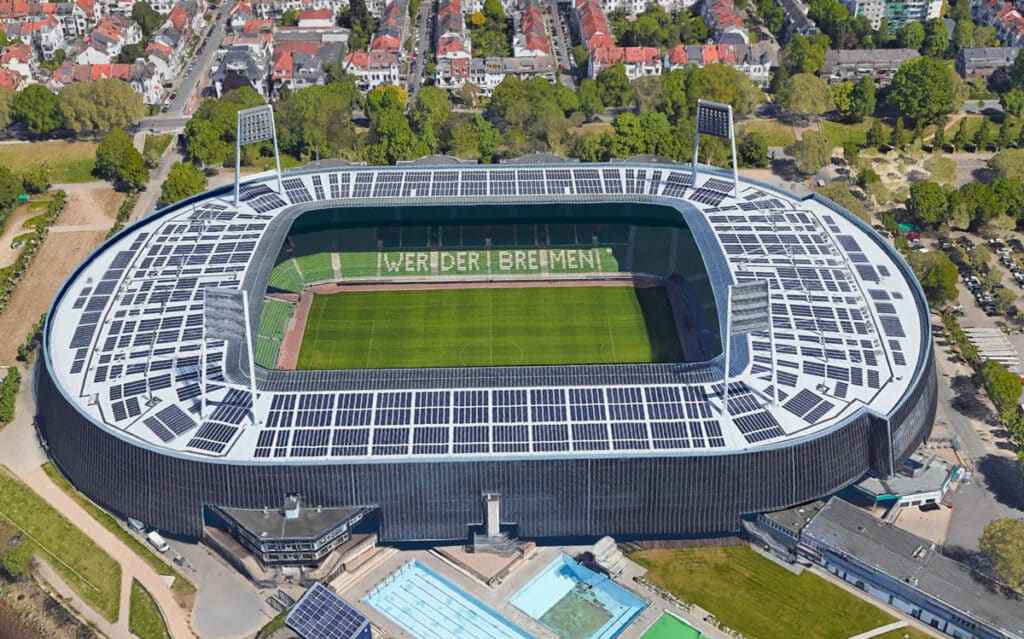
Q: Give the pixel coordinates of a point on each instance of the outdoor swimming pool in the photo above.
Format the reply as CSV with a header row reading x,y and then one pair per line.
x,y
428,606
668,626
577,603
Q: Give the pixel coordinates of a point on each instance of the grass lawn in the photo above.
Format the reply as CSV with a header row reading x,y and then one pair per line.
x,y
758,597
155,145
839,134
69,161
670,627
184,590
144,620
489,327
90,571
775,133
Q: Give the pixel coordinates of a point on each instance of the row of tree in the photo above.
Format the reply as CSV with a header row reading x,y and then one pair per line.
x,y
82,106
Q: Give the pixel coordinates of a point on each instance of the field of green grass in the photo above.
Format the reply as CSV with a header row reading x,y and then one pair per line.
x,y
775,133
185,591
758,597
69,161
839,134
489,327
90,571
144,619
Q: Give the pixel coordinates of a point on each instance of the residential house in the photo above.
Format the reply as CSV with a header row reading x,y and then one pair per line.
x,y
140,75
391,28
721,18
240,13
316,19
274,9
105,42
246,61
591,25
77,17
753,60
12,80
531,35
451,38
639,61
296,70
20,58
982,62
853,64
373,68
46,34
634,7
487,73
795,19
1001,14
896,12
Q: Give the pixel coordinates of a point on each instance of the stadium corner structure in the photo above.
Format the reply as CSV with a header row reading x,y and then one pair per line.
x,y
150,402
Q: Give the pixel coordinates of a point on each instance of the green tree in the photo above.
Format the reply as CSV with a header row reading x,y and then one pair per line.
x,y
753,150
494,11
963,34
147,18
6,107
1013,102
36,178
117,160
771,15
927,203
876,134
613,85
1008,163
318,120
100,105
982,134
803,56
1003,388
38,108
1003,138
290,18
210,133
939,139
811,152
842,97
960,140
590,147
863,98
936,40
898,134
392,139
590,98
183,180
937,275
910,35
807,94
924,89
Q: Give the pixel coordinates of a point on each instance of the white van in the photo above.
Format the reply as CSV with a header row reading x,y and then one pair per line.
x,y
157,541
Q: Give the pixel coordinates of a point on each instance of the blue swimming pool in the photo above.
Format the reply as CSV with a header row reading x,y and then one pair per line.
x,y
428,606
577,603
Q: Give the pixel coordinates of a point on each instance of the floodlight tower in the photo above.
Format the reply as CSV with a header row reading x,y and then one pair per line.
x,y
716,119
749,311
255,125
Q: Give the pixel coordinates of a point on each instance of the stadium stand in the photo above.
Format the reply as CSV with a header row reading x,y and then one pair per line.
x,y
274,320
286,277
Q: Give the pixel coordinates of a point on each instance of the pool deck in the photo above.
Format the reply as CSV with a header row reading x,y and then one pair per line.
x,y
497,598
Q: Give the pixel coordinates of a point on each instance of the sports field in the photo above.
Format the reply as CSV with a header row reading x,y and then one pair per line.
x,y
420,328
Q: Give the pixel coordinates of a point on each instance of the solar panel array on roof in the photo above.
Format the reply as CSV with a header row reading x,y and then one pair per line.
x,y
321,614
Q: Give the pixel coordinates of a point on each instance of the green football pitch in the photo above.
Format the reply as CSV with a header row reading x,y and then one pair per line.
x,y
489,327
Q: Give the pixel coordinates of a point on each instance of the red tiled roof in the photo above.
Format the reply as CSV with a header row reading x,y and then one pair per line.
x,y
677,55
9,79
316,14
607,56
255,26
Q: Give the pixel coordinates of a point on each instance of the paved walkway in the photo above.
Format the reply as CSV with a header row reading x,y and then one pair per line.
x,y
881,630
20,452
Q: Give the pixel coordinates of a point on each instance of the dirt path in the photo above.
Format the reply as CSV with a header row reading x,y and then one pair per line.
x,y
63,249
12,229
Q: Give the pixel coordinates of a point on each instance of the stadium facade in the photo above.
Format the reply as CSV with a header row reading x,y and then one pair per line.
x,y
638,450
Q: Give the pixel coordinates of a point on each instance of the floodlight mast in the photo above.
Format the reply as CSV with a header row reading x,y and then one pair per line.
x,y
715,119
748,310
255,125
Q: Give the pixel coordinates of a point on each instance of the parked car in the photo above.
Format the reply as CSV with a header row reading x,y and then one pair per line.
x,y
913,235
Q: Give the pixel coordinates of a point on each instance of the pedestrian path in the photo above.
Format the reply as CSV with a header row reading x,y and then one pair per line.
x,y
881,630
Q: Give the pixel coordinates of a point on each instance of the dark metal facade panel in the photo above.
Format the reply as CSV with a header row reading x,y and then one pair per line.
x,y
583,497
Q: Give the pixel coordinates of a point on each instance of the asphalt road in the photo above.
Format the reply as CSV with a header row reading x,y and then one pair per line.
x,y
562,52
422,44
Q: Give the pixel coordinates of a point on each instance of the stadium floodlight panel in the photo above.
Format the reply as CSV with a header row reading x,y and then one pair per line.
x,y
224,313
255,124
749,307
714,119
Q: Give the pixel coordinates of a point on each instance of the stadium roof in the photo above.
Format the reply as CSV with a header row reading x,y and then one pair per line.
x,y
125,335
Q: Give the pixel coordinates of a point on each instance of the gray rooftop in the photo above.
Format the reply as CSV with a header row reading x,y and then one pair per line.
x,y
919,474
794,519
273,524
869,57
904,556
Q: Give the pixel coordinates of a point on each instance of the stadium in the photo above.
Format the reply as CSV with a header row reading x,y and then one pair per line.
x,y
408,340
